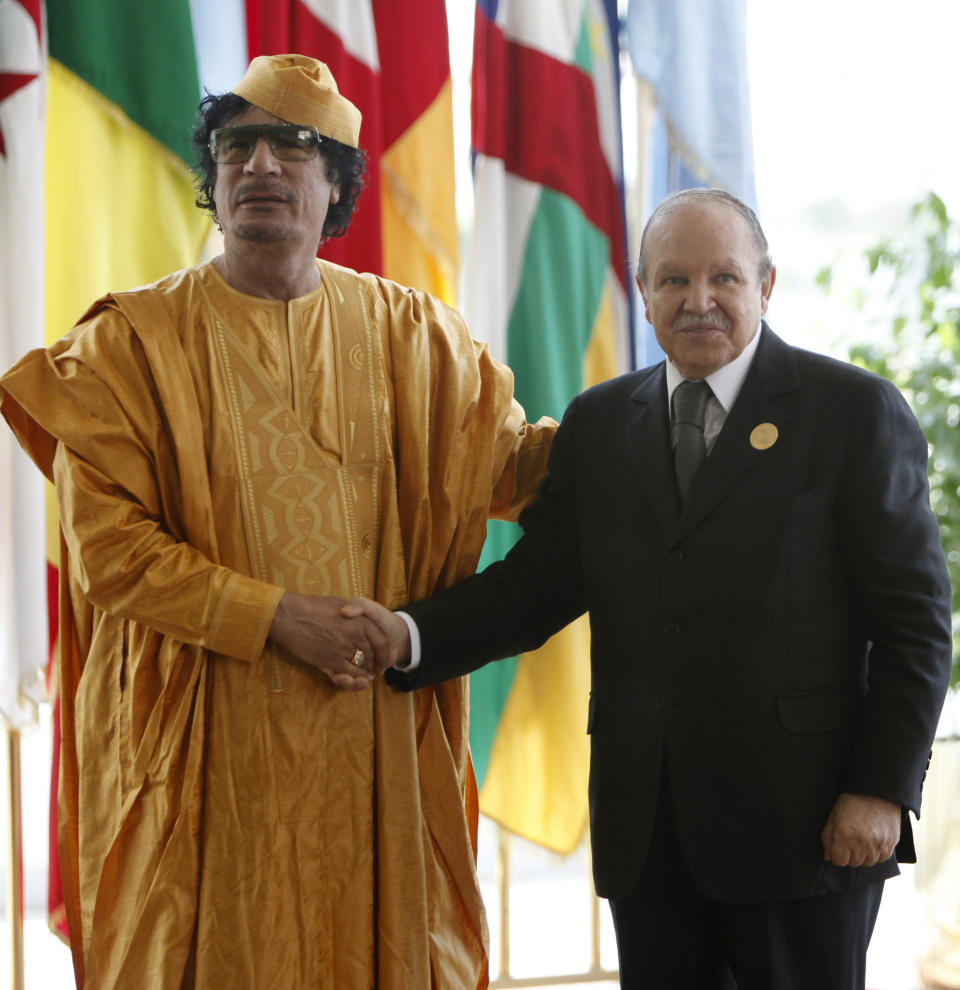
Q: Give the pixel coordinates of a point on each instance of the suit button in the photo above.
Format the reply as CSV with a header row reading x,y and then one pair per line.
x,y
658,702
675,556
671,629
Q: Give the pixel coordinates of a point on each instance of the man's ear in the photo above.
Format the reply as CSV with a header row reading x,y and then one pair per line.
x,y
333,177
766,288
643,296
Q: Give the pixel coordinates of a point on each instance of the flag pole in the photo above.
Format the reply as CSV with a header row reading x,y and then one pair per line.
x,y
14,874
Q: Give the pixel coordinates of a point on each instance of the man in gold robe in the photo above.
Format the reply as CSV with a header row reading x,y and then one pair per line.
x,y
237,449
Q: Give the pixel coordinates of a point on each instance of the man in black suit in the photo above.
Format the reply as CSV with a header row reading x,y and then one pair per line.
x,y
770,620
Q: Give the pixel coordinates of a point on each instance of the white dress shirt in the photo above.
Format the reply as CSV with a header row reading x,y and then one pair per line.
x,y
725,384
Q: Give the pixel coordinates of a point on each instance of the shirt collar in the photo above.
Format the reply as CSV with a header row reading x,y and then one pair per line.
x,y
725,382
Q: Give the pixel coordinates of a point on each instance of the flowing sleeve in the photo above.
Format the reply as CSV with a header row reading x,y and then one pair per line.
x,y
464,448
88,412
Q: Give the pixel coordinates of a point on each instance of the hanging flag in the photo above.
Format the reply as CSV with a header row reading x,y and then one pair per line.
x,y
123,92
693,98
390,58
24,632
23,596
547,286
693,55
123,89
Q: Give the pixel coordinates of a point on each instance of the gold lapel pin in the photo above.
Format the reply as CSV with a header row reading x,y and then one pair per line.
x,y
764,436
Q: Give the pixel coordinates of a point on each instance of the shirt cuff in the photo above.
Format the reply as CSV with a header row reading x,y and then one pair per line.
x,y
414,643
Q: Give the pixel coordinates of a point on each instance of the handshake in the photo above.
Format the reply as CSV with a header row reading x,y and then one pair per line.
x,y
352,642
387,633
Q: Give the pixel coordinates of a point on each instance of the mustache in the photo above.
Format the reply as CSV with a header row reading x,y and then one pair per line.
x,y
255,189
713,318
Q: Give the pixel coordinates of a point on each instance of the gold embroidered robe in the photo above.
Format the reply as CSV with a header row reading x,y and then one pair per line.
x,y
228,817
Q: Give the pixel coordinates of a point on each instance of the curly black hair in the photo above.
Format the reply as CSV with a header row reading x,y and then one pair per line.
x,y
345,165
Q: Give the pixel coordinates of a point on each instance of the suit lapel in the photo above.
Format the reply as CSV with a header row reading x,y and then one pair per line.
x,y
738,448
649,453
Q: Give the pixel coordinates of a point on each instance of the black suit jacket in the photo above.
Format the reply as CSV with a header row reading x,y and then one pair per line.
x,y
784,638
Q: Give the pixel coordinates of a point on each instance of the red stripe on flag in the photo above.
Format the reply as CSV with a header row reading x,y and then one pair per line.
x,y
539,116
53,606
10,82
276,27
414,59
32,7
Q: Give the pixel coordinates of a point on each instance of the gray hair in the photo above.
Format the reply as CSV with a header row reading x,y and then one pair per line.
x,y
685,196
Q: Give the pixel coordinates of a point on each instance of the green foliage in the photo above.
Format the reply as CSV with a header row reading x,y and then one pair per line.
x,y
915,275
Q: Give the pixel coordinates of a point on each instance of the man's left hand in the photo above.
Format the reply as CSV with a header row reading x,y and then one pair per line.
x,y
862,830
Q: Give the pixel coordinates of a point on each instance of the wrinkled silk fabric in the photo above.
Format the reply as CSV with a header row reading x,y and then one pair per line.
x,y
228,817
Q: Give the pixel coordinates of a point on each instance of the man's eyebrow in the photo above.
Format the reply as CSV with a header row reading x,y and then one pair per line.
x,y
672,267
730,263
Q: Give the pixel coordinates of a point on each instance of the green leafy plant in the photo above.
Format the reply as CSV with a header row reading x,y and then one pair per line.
x,y
912,299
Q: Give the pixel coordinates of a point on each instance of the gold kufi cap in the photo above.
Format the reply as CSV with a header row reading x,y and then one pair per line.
x,y
301,90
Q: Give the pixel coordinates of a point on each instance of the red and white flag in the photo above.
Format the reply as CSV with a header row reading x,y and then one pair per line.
x,y
24,642
390,58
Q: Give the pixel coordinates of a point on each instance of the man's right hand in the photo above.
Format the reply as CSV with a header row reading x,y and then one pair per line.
x,y
314,630
392,627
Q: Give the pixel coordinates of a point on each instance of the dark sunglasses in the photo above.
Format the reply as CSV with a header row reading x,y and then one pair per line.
x,y
288,142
